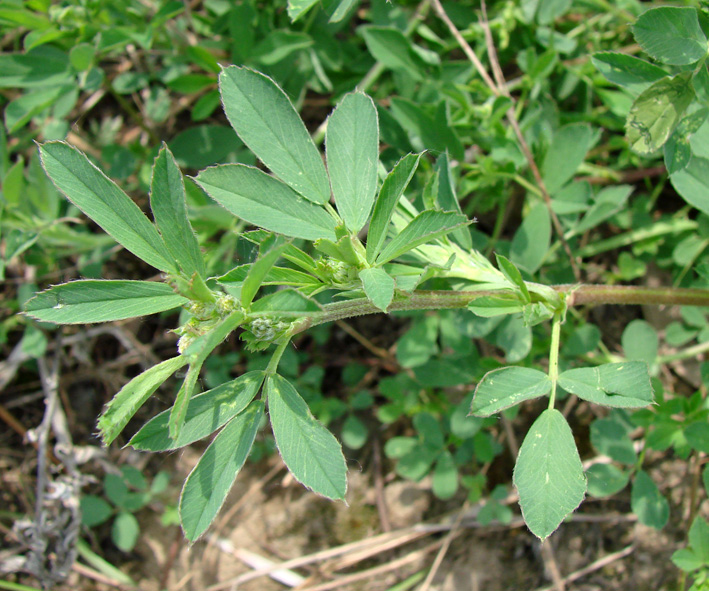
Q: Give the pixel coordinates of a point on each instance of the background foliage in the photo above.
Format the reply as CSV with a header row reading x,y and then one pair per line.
x,y
614,112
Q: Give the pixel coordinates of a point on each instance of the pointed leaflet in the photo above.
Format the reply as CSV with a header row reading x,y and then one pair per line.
x,y
205,414
196,353
513,276
275,276
379,287
208,484
622,385
548,474
99,198
266,121
501,388
627,71
297,8
310,451
266,202
448,200
100,300
352,147
131,397
260,268
169,207
425,227
393,187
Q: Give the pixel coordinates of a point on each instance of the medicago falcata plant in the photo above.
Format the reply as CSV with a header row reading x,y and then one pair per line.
x,y
374,251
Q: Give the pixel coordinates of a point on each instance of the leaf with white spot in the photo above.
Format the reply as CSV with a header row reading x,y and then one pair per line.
x,y
501,388
548,474
622,385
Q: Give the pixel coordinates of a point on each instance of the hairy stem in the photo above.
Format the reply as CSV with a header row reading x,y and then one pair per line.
x,y
576,295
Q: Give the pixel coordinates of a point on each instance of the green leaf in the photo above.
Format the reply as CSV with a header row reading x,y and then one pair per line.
x,y
342,9
567,152
275,276
393,50
393,187
611,438
693,183
448,200
627,71
513,275
104,202
132,396
677,153
687,560
263,201
207,485
671,35
125,531
379,287
196,353
502,388
531,240
432,130
425,227
445,476
697,435
490,306
41,67
203,145
100,300
699,538
354,432
205,414
266,121
416,464
549,10
310,451
657,111
548,474
94,510
605,480
352,146
285,300
278,45
297,8
169,206
608,202
640,342
515,337
259,270
648,503
397,447
419,343
621,385
20,111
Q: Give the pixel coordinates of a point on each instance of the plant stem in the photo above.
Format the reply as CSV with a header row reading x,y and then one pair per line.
x,y
576,295
554,357
634,295
277,354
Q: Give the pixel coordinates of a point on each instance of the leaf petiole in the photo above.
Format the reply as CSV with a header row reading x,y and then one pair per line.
x,y
277,354
554,357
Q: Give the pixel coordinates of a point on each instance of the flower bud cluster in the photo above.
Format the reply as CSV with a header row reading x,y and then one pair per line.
x,y
261,332
205,316
338,273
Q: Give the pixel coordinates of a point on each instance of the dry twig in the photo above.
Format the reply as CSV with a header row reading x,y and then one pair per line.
x,y
499,88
